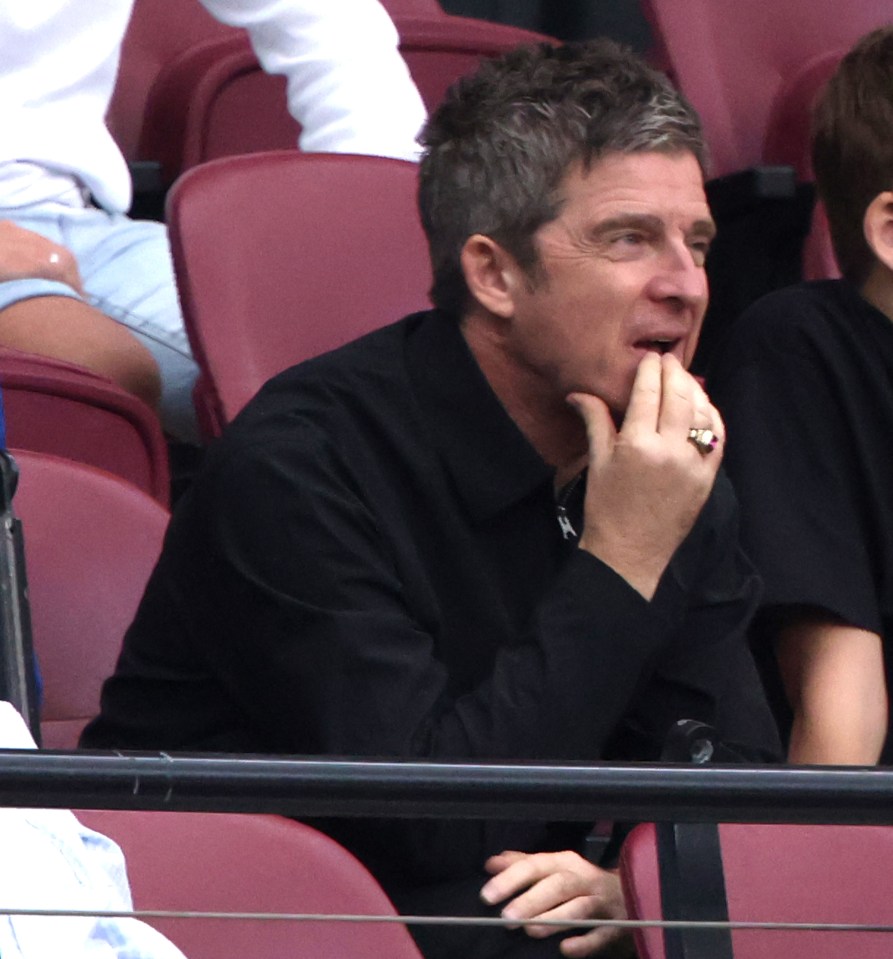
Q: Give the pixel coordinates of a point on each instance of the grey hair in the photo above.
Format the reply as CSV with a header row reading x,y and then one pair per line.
x,y
501,143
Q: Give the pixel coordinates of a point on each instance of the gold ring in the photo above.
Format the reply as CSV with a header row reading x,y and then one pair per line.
x,y
704,440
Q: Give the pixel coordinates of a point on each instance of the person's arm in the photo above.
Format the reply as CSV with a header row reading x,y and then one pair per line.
x,y
289,605
834,678
25,254
348,85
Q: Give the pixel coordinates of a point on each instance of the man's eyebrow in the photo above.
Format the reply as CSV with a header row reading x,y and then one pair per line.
x,y
648,222
627,221
704,228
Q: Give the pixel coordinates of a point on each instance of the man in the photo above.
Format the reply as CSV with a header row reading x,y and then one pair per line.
x,y
806,385
398,549
81,281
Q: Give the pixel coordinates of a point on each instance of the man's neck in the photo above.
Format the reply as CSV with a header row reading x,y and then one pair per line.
x,y
551,427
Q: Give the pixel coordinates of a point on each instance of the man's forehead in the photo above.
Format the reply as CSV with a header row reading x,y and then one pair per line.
x,y
652,178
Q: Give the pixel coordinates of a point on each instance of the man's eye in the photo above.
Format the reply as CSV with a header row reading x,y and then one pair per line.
x,y
629,239
699,250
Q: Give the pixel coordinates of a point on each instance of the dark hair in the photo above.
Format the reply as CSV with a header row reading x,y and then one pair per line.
x,y
498,147
852,146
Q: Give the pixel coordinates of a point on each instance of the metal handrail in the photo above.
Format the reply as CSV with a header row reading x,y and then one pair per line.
x,y
510,791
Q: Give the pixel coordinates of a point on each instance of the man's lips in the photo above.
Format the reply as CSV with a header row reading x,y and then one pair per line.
x,y
661,344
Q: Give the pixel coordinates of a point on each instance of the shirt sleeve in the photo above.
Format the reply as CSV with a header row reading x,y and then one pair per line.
x,y
304,617
348,85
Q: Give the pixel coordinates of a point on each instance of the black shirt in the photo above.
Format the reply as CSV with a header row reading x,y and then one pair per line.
x,y
806,390
371,565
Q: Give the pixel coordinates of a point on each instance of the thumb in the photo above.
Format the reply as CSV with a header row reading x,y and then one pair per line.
x,y
600,430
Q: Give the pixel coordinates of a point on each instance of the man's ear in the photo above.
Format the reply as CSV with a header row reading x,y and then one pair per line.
x,y
878,227
490,274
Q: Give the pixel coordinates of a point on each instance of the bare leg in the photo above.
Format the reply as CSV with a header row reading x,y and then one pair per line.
x,y
68,329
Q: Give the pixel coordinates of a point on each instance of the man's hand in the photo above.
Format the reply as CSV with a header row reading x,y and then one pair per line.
x,y
25,254
559,885
647,481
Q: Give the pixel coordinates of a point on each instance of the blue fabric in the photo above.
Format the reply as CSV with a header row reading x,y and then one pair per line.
x,y
126,269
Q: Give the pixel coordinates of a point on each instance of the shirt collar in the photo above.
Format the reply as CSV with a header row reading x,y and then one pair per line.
x,y
489,458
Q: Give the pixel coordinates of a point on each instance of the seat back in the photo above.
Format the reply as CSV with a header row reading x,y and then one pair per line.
x,y
62,409
226,862
308,251
788,141
781,873
731,62
91,540
214,100
148,51
147,48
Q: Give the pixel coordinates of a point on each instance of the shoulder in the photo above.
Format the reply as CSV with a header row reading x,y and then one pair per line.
x,y
364,381
812,312
822,330
332,420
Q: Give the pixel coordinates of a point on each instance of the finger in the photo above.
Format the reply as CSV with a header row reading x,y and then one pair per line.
x,y
645,397
526,869
593,942
677,401
719,427
578,907
601,433
561,895
703,417
496,864
594,893
510,879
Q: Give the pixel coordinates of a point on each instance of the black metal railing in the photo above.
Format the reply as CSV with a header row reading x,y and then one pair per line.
x,y
334,787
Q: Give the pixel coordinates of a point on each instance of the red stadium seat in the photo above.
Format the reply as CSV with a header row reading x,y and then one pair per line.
x,y
308,251
91,540
731,60
781,873
788,142
224,862
205,96
159,31
59,408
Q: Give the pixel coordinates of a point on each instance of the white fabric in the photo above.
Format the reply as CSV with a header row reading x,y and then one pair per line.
x,y
348,85
51,861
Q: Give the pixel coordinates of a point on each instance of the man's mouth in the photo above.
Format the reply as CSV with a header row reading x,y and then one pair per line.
x,y
658,345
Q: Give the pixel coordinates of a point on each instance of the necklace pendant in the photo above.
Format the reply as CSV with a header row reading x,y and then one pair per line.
x,y
564,524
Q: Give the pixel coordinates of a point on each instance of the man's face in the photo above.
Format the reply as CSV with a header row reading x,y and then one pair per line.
x,y
621,272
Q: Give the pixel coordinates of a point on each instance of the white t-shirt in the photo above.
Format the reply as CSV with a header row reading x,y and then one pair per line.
x,y
51,861
348,86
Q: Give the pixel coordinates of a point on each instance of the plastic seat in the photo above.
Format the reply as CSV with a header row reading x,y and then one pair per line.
x,y
308,252
91,541
212,99
249,863
788,141
146,50
730,61
781,873
66,410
